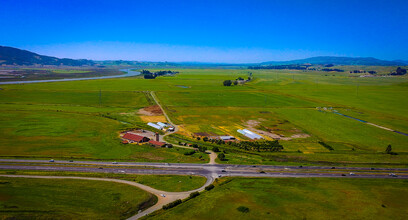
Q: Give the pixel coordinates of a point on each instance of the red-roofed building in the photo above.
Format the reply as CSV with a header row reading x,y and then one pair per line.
x,y
156,143
135,138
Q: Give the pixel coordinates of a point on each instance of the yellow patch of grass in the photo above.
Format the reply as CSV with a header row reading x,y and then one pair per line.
x,y
159,118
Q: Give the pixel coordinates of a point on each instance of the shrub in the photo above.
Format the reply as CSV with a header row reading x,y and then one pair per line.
x,y
194,194
216,149
243,209
209,187
172,204
221,156
326,145
202,149
189,152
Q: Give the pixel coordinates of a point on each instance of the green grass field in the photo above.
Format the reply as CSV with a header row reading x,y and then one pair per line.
x,y
69,199
169,183
297,198
65,119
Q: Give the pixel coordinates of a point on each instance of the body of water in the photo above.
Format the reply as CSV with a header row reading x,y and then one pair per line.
x,y
129,72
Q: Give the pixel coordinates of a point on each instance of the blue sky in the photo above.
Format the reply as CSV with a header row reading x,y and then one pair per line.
x,y
207,31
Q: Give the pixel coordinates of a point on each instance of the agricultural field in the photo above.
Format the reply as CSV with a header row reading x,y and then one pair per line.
x,y
87,116
296,198
69,199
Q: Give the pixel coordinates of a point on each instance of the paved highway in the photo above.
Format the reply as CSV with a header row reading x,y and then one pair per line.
x,y
207,170
203,166
210,171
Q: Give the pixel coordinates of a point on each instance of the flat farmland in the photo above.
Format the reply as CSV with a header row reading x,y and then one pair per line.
x,y
296,198
70,199
280,103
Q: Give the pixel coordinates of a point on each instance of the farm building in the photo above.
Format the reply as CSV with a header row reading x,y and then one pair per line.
x,y
249,134
226,138
161,124
135,138
155,126
156,143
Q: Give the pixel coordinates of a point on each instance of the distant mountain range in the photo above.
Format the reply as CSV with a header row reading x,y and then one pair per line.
x,y
14,56
363,61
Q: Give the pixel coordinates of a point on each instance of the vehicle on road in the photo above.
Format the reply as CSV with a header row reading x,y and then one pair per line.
x,y
343,174
392,174
71,161
352,174
219,175
223,171
52,160
162,195
114,162
262,171
100,167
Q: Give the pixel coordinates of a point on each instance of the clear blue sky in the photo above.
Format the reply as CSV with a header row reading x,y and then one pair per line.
x,y
207,31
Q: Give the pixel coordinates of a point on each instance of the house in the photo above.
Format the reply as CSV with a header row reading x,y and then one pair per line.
x,y
135,138
156,143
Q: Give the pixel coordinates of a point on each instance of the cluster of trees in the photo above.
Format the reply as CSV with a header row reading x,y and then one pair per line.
x,y
280,67
363,71
200,148
400,71
262,145
330,70
236,81
149,75
217,141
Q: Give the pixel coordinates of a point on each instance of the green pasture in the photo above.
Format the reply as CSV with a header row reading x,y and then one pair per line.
x,y
49,134
169,183
22,198
83,118
296,198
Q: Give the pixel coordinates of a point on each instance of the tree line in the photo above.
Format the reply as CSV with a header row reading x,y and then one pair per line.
x,y
152,75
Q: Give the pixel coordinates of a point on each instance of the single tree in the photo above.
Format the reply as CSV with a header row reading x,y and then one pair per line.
x,y
227,83
389,149
221,156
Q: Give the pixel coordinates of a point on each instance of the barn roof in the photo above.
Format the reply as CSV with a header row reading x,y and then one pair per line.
x,y
133,137
157,143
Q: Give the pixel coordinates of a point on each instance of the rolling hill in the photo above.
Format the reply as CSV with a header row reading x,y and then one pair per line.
x,y
363,61
14,56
